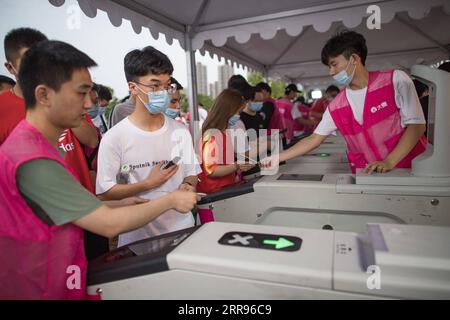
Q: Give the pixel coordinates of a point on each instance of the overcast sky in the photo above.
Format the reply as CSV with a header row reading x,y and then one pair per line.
x,y
97,37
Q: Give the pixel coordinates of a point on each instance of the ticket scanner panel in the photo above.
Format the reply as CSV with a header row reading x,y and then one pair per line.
x,y
420,195
235,261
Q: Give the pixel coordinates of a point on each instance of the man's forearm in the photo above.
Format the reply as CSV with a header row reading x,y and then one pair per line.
x,y
110,222
302,147
127,220
112,203
406,143
223,170
121,191
305,122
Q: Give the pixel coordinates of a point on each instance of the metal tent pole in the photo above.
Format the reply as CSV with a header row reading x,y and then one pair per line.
x,y
192,87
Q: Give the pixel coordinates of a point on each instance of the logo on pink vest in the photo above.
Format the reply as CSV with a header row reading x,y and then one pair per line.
x,y
379,107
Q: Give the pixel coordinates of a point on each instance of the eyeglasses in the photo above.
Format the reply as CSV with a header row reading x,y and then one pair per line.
x,y
171,88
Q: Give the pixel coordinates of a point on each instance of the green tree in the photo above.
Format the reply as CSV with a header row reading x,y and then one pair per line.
x,y
111,104
184,103
277,88
277,85
205,100
254,78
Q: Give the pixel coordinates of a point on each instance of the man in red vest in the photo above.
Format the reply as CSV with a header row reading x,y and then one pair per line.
x,y
12,107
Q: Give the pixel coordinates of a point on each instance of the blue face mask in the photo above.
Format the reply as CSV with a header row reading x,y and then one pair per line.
x,y
93,111
158,101
343,78
234,119
171,113
255,106
101,111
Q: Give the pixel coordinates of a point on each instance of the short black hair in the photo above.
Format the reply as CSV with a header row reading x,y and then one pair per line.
x,y
332,88
17,39
175,82
245,89
445,66
104,93
5,79
345,43
235,80
51,63
264,86
300,99
291,87
139,63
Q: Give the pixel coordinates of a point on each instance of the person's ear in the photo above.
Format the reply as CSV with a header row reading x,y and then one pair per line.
x,y
356,59
132,87
43,95
10,68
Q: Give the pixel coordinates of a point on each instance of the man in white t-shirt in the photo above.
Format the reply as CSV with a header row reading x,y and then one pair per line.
x,y
383,128
133,153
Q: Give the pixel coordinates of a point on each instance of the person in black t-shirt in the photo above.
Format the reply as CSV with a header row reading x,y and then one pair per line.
x,y
250,116
268,106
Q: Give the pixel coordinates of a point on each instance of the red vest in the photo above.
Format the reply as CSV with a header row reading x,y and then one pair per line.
x,y
381,130
214,152
76,158
12,111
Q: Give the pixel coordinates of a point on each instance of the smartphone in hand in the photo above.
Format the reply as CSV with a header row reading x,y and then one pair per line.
x,y
171,163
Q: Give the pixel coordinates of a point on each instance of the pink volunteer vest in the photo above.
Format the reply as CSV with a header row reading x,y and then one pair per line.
x,y
304,111
37,261
282,117
381,129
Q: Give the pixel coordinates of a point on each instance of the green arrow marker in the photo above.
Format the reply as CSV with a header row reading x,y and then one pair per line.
x,y
280,243
323,154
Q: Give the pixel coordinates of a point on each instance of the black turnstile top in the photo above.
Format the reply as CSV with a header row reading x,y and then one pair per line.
x,y
136,259
232,191
300,177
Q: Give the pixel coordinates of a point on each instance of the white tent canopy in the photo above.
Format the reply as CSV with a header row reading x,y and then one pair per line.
x,y
284,38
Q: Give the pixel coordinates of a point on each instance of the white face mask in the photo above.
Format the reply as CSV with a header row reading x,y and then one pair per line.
x,y
343,78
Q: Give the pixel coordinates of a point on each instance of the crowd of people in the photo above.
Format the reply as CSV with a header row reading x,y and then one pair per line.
x,y
71,179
